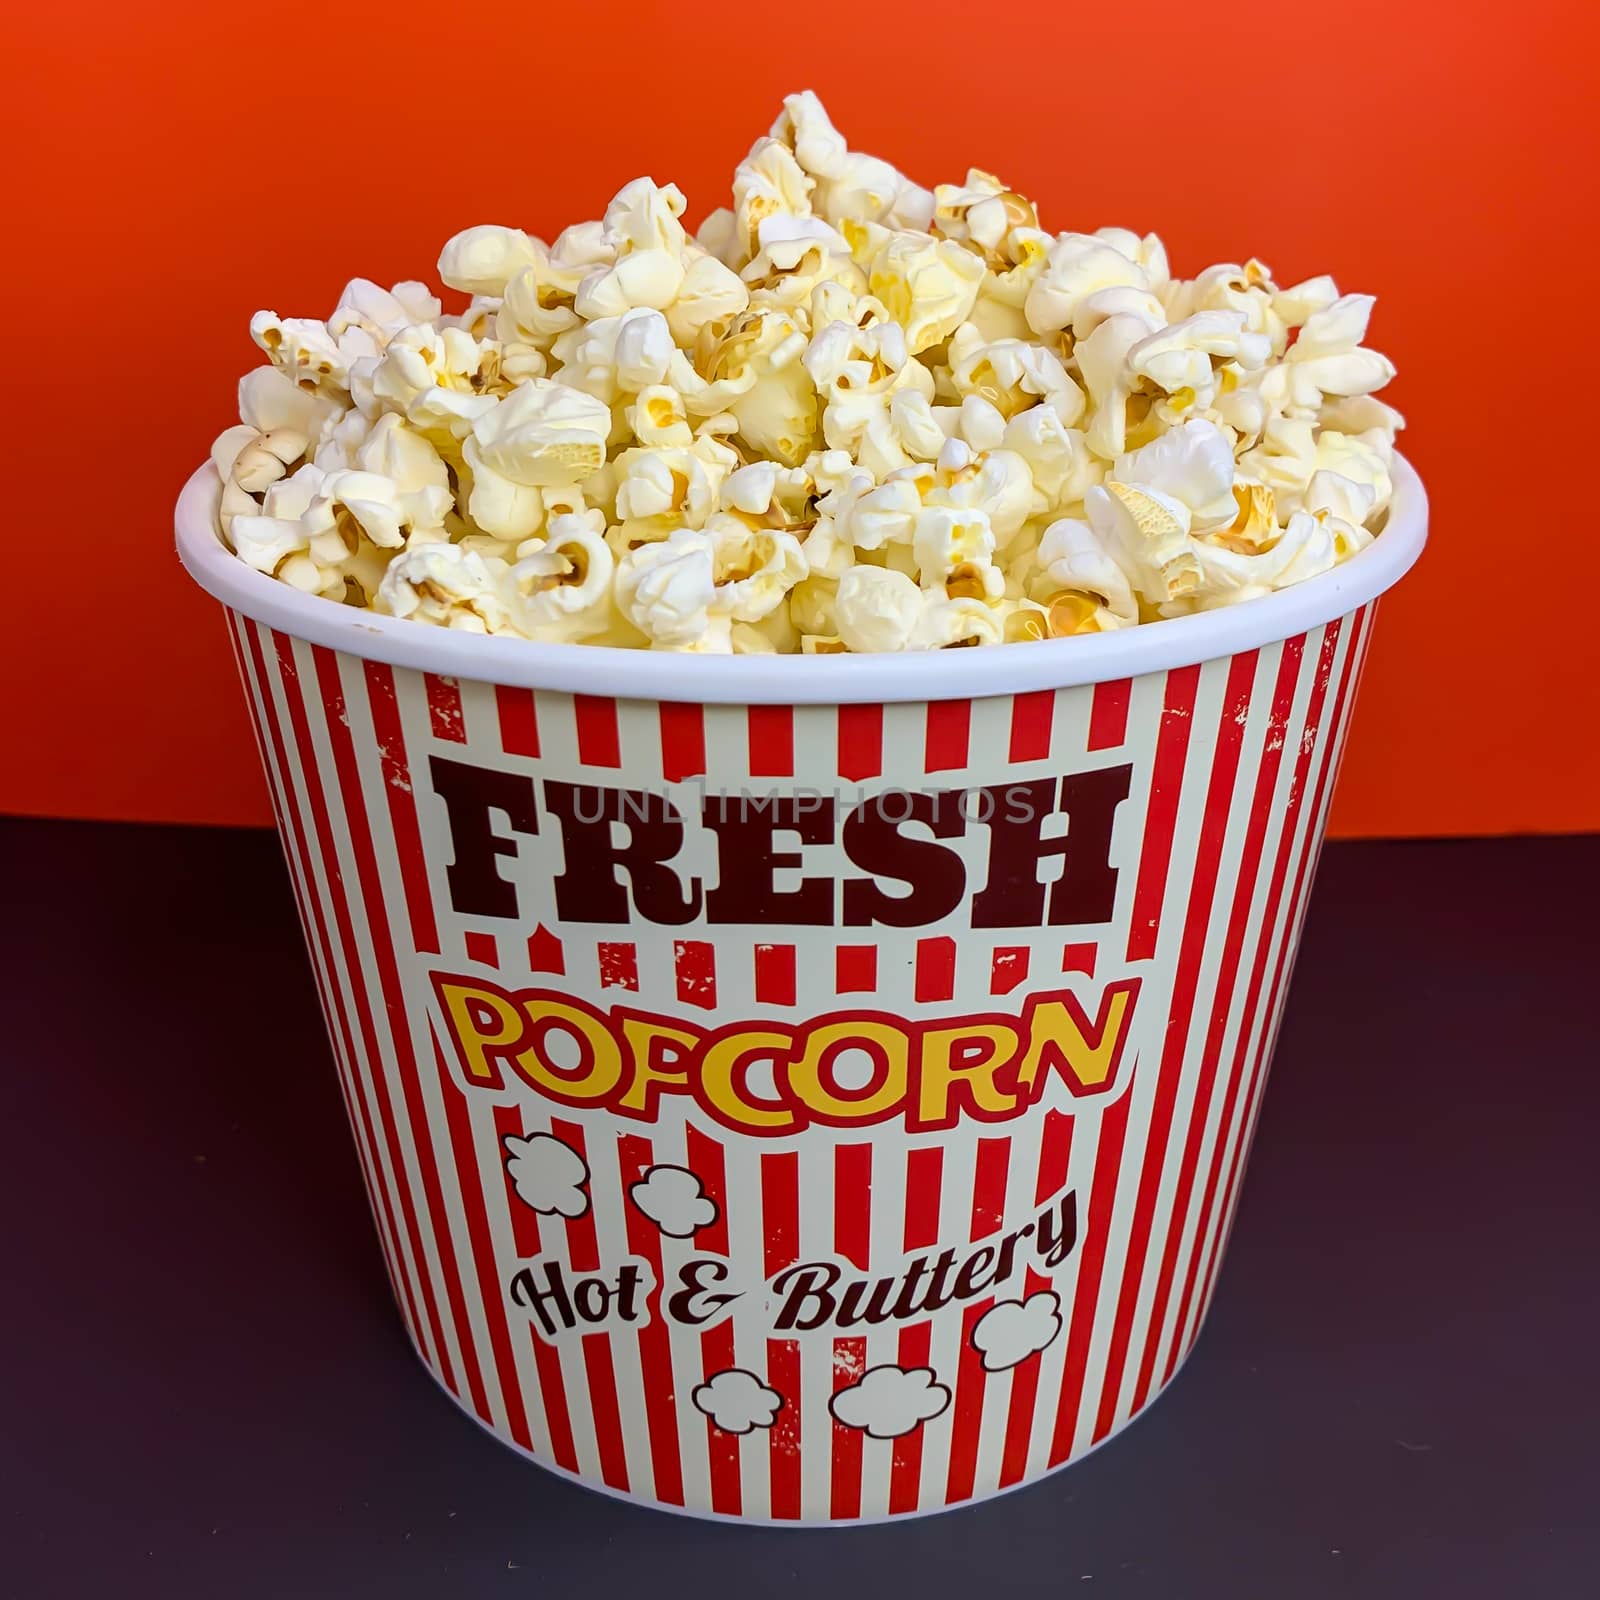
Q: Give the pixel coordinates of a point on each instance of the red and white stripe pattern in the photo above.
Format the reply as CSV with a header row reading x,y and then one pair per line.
x,y
1233,769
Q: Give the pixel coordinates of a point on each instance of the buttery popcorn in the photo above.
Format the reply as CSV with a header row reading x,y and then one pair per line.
x,y
849,414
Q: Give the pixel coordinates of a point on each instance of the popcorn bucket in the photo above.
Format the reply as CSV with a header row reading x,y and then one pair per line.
x,y
802,1089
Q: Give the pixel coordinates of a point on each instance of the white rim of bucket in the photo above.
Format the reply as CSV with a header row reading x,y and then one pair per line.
x,y
801,680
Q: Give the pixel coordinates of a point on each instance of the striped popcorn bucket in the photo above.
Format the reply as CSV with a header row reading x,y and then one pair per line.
x,y
802,1089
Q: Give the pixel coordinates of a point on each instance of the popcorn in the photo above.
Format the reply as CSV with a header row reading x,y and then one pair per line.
x,y
754,568
1104,358
665,590
321,531
538,304
446,586
757,375
956,546
847,183
483,260
1149,533
876,609
795,255
851,414
543,434
279,421
711,295
1077,266
306,353
1309,546
658,416
440,380
648,268
947,624
1193,463
1012,375
381,313
927,285
768,183
876,396
1074,561
1181,359
563,589
615,356
1247,290
1057,457
675,483
1327,358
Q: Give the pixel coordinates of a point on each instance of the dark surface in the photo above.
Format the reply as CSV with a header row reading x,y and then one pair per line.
x,y
206,1392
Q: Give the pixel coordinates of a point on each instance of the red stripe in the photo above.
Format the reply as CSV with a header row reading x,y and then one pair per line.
x,y
445,715
774,965
1055,1159
475,1208
988,1217
1091,1263
1202,893
1108,717
546,1358
619,965
396,771
936,968
1266,924
524,1220
1294,916
860,741
855,969
780,1205
704,1158
1079,958
596,721
695,964
1161,815
949,724
771,735
1008,968
1222,999
1031,717
291,828
852,1216
413,874
780,1213
583,1251
1055,1156
683,741
923,1175
655,1343
481,947
544,952
289,678
519,721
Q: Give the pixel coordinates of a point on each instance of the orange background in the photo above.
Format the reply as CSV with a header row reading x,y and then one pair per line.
x,y
176,167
